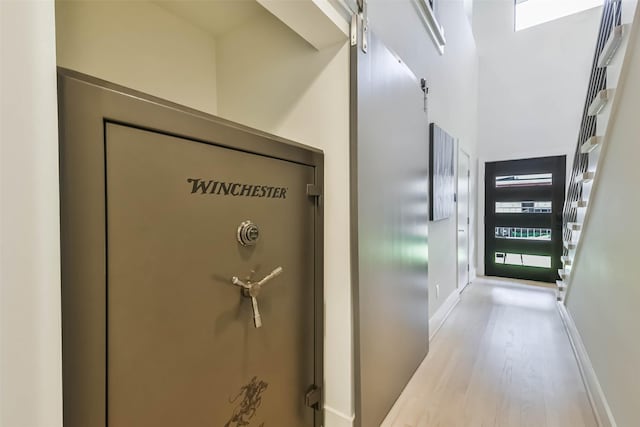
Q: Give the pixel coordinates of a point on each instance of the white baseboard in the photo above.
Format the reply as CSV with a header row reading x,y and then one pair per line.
x,y
335,418
437,320
597,398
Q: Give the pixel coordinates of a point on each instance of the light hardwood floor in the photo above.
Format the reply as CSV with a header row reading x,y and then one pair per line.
x,y
502,359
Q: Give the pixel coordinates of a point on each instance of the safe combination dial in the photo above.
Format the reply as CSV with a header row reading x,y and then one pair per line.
x,y
248,233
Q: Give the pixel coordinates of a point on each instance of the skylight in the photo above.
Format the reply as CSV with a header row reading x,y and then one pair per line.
x,y
535,12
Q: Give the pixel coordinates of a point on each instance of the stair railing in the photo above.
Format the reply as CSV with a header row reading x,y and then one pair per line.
x,y
611,17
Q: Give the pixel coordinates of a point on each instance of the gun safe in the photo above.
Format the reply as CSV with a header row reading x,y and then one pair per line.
x,y
191,266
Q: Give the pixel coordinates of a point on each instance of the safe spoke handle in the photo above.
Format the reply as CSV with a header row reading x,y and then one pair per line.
x,y
252,290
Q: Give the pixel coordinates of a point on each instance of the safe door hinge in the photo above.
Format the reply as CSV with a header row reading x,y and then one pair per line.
x,y
313,397
314,190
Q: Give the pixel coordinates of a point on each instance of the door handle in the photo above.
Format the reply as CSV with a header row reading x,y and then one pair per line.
x,y
252,290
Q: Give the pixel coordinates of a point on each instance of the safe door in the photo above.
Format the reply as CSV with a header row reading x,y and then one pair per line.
x,y
207,312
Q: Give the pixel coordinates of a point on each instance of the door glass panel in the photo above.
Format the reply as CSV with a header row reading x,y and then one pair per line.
x,y
523,260
523,233
524,180
523,207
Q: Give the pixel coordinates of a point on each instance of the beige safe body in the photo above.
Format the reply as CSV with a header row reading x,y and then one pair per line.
x,y
192,266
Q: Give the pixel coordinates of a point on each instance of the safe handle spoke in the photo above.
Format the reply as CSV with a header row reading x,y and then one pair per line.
x,y
257,319
270,276
240,283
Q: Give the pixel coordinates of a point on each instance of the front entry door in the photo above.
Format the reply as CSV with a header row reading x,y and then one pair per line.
x,y
523,218
209,310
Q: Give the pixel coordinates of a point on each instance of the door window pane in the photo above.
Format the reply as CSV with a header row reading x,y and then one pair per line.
x,y
523,260
523,207
524,180
523,233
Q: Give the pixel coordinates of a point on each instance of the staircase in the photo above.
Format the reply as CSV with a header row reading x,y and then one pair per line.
x,y
617,18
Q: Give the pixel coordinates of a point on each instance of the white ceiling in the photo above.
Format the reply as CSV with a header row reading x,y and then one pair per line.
x,y
216,17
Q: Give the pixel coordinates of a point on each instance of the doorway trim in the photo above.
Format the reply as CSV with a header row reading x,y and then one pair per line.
x,y
462,152
86,105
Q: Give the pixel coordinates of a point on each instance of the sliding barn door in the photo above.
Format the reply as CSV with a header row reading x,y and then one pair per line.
x,y
390,159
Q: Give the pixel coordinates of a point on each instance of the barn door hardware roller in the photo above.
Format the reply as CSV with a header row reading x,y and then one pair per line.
x,y
252,290
360,17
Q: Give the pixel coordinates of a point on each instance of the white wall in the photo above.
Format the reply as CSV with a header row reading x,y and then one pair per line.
x,y
533,85
30,353
139,45
604,293
271,79
453,90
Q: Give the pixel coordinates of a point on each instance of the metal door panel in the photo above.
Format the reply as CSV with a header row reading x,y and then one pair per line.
x,y
390,202
181,343
522,220
540,194
154,333
533,247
